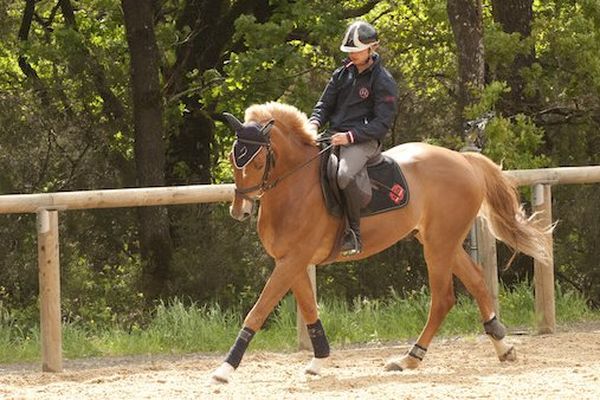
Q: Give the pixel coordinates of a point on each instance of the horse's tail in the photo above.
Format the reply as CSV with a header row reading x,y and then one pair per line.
x,y
504,212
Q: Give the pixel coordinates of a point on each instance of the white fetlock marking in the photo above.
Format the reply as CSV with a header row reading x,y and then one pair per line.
x,y
505,351
223,373
315,366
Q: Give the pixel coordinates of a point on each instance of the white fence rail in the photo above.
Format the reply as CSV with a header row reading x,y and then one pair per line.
x,y
113,198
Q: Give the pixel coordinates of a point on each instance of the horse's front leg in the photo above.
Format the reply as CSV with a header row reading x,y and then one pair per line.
x,y
277,286
307,302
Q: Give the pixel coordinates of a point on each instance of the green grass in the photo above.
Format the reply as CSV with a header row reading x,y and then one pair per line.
x,y
177,328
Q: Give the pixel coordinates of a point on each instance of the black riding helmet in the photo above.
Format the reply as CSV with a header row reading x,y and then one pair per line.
x,y
359,36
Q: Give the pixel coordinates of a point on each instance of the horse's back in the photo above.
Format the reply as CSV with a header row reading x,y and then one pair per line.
x,y
443,182
425,163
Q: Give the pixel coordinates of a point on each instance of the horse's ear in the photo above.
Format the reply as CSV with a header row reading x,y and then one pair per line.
x,y
233,122
267,128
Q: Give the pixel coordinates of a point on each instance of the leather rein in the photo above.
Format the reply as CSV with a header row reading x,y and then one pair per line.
x,y
264,184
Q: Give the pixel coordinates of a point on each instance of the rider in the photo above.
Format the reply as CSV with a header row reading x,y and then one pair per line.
x,y
359,103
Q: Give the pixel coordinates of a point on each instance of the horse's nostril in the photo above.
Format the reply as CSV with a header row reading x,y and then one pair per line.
x,y
239,214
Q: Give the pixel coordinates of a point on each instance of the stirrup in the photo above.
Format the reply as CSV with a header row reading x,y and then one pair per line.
x,y
356,245
351,252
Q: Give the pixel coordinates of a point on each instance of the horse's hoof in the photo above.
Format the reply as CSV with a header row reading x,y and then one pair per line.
x,y
510,355
217,380
405,362
315,366
393,366
222,374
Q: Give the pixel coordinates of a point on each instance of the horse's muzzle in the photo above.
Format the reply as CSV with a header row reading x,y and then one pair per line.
x,y
241,210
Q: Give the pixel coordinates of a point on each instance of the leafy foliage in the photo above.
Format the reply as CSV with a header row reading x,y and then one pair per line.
x,y
68,126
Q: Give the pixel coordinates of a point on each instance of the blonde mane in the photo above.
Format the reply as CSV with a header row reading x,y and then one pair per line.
x,y
287,118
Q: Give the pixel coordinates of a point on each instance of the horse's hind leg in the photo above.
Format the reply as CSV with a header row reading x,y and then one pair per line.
x,y
305,297
471,275
442,300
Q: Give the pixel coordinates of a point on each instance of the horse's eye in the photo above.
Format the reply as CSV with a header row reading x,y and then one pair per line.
x,y
258,165
258,162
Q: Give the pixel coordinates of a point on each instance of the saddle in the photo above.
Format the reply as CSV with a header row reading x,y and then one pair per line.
x,y
383,187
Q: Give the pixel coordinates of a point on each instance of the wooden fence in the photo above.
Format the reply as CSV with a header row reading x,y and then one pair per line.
x,y
47,206
541,181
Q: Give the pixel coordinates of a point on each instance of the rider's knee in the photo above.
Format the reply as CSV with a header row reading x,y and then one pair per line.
x,y
343,179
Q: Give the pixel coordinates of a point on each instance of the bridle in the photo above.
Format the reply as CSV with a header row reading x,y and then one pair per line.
x,y
264,184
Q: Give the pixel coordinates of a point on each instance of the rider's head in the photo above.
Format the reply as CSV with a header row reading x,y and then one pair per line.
x,y
359,36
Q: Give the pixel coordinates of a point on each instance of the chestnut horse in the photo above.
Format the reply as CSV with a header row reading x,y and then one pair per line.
x,y
447,191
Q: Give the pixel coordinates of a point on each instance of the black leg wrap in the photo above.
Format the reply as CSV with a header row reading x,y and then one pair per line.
x,y
239,347
417,352
318,339
494,328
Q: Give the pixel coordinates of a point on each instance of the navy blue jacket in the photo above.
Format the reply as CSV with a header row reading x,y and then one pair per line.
x,y
363,104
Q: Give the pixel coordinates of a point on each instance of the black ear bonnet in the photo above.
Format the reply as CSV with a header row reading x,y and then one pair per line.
x,y
249,139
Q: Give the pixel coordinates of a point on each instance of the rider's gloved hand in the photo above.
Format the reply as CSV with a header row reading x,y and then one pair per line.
x,y
341,138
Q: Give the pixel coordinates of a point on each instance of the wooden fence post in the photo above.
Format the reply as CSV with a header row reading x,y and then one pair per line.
x,y
543,272
304,342
49,279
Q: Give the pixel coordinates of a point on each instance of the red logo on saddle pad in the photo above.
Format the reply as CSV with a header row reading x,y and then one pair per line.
x,y
397,193
363,92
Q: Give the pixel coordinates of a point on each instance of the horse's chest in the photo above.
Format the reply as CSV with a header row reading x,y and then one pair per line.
x,y
279,235
269,232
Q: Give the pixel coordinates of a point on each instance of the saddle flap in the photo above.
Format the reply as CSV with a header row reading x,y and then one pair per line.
x,y
331,192
332,167
386,186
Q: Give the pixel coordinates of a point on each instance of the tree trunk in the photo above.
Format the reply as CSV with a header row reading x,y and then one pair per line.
x,y
26,68
154,236
515,16
211,23
467,25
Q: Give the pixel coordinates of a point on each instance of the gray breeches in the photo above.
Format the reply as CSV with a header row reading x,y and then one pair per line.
x,y
353,158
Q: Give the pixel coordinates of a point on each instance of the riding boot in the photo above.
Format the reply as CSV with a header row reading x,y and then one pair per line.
x,y
351,244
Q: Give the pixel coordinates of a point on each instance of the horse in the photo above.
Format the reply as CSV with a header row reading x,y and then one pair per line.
x,y
447,191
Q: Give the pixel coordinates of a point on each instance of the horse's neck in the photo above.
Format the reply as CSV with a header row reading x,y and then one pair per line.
x,y
297,172
292,152
294,202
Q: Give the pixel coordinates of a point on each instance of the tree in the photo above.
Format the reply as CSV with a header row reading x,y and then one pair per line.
x,y
69,125
155,240
515,18
467,25
208,27
26,67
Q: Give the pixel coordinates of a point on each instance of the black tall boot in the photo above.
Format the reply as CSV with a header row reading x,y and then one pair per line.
x,y
351,244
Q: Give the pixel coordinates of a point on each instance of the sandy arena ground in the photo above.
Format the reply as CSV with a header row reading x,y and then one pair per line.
x,y
565,365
